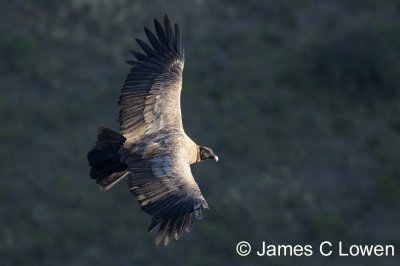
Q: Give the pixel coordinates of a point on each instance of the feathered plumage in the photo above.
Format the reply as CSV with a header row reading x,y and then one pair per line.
x,y
153,149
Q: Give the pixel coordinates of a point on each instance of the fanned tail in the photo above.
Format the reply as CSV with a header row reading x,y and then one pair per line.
x,y
104,159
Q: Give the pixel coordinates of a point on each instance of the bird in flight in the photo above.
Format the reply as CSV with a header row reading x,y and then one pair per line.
x,y
152,149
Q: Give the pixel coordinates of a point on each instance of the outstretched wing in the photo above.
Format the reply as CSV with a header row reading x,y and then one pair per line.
x,y
150,98
165,188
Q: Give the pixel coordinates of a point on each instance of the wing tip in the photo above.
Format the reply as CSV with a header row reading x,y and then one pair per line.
x,y
172,227
168,39
166,43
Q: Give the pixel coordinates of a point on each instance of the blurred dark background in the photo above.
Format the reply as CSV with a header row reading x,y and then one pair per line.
x,y
300,100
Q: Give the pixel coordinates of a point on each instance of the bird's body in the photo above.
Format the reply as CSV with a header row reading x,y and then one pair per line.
x,y
169,141
152,149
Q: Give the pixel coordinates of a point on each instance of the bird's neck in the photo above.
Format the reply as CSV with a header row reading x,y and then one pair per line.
x,y
198,159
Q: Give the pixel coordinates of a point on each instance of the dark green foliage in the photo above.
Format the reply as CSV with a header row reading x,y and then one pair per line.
x,y
19,51
299,99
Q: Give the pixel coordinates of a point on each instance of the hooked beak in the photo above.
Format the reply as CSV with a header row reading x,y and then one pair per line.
x,y
215,157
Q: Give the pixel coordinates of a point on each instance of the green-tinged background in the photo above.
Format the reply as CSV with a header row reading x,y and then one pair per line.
x,y
299,99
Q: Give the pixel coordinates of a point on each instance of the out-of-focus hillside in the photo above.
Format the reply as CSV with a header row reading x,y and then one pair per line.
x,y
299,99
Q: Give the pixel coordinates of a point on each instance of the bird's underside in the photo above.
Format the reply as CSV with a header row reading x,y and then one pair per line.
x,y
152,149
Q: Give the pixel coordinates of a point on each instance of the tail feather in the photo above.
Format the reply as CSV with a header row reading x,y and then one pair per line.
x,y
108,182
104,159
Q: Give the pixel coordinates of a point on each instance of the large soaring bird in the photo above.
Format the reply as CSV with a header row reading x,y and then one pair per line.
x,y
152,149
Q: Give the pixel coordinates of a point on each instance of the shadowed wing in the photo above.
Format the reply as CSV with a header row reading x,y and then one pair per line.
x,y
150,98
165,189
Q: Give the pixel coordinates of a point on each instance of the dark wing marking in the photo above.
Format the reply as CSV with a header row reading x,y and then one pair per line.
x,y
150,97
165,188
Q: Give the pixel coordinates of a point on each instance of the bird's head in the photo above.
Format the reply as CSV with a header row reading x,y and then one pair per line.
x,y
207,153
